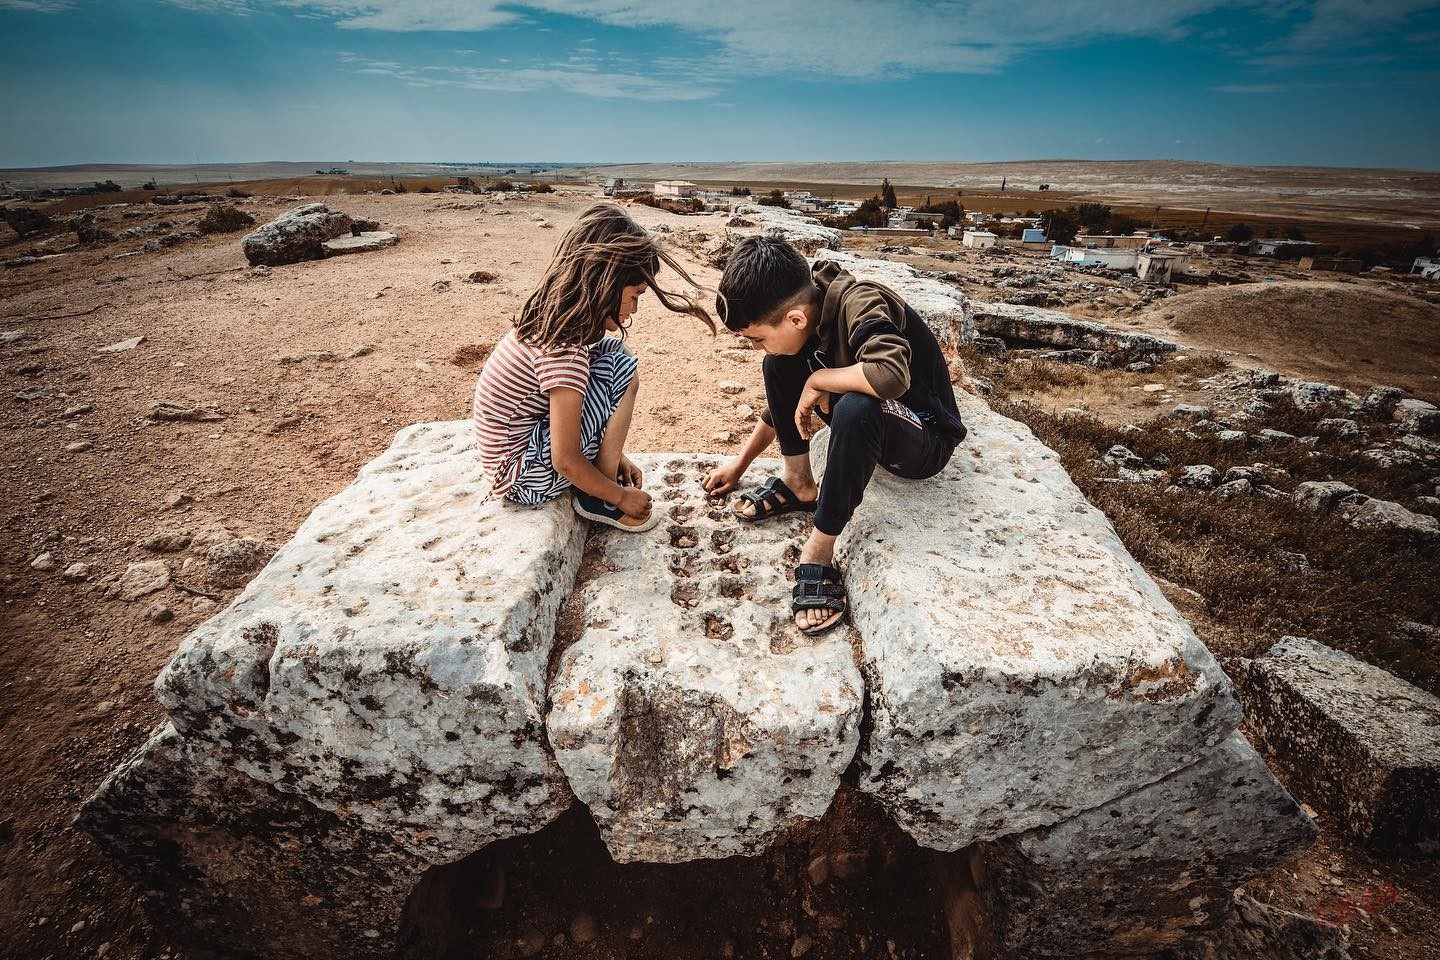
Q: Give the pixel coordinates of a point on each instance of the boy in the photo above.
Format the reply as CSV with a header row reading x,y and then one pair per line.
x,y
858,355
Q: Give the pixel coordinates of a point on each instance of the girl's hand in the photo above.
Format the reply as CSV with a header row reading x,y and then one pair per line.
x,y
810,398
634,501
723,478
629,475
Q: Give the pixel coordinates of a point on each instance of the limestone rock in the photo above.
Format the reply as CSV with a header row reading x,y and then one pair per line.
x,y
366,241
1200,476
211,849
1315,394
141,579
1371,514
1021,666
1418,416
944,308
1381,401
1054,328
389,662
690,715
296,235
1135,875
1323,495
805,234
1362,744
231,563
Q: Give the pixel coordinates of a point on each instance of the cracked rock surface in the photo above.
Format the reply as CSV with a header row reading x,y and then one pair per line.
x,y
388,664
690,714
1021,666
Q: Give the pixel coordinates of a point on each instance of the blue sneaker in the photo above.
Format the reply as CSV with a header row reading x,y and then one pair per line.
x,y
601,511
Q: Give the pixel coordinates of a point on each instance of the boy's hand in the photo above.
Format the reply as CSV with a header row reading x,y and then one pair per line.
x,y
629,475
723,478
810,398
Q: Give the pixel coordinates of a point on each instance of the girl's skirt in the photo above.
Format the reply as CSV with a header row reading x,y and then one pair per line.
x,y
612,370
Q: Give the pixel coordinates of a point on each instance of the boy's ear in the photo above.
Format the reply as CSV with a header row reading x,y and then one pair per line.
x,y
797,317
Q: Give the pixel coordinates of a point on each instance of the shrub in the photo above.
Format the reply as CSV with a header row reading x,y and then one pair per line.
x,y
223,218
107,186
774,199
540,186
502,185
237,193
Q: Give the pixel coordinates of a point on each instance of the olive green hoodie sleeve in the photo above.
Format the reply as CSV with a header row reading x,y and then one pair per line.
x,y
875,337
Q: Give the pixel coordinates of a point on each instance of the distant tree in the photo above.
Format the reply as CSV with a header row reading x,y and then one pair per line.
x,y
1293,232
1123,225
1240,233
775,198
887,195
148,185
952,210
871,213
107,186
540,186
1092,216
1060,225
400,187
738,191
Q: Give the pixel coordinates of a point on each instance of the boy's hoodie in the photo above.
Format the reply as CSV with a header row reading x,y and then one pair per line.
x,y
868,323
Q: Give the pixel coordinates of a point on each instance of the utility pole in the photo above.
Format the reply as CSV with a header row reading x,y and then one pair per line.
x,y
1205,219
1003,181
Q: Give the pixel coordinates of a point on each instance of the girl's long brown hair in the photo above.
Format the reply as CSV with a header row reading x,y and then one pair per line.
x,y
604,252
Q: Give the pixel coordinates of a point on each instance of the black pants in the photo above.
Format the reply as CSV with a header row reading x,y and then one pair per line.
x,y
862,435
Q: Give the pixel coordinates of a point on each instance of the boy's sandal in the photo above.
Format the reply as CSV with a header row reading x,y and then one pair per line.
x,y
818,587
766,499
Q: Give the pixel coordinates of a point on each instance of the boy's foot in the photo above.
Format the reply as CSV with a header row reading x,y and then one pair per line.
x,y
818,598
601,511
772,498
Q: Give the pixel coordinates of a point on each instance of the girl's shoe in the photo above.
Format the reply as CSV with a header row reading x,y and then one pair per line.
x,y
601,511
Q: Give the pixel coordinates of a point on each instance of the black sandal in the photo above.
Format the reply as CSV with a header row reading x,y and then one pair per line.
x,y
818,587
767,503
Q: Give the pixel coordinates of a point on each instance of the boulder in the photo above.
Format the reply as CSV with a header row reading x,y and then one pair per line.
x,y
1021,667
1371,514
1381,401
1323,495
690,714
388,664
1418,416
26,220
1141,873
231,563
944,308
1315,394
141,579
1360,743
210,850
1200,476
296,235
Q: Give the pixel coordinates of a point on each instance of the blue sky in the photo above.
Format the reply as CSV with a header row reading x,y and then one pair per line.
x,y
1326,82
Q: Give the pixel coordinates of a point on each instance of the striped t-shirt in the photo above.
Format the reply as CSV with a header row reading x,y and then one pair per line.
x,y
512,395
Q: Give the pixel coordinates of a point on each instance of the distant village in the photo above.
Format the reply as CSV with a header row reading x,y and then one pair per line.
x,y
1150,254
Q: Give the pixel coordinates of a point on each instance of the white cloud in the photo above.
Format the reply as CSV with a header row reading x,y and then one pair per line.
x,y
663,84
35,6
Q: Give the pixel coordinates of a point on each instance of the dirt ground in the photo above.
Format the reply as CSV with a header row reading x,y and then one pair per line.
x,y
277,353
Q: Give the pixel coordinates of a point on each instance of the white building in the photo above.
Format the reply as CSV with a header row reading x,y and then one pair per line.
x,y
1159,266
1427,267
676,189
979,239
1113,258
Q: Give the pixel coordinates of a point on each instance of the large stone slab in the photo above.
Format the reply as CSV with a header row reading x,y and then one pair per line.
x,y
1141,873
361,243
241,869
690,714
805,233
388,664
1360,743
944,308
1021,666
295,235
1039,327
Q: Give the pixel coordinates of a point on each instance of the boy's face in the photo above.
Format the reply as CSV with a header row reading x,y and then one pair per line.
x,y
786,337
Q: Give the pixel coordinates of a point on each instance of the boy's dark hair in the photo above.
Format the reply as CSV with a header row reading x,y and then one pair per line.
x,y
762,276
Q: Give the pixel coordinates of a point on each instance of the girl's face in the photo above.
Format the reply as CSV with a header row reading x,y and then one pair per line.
x,y
629,299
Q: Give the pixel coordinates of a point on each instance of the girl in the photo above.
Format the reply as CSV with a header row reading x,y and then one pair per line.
x,y
554,402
